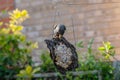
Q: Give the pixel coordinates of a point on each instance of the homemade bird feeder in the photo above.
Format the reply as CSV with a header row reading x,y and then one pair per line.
x,y
62,52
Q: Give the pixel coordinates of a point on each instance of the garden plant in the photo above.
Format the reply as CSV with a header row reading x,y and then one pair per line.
x,y
88,61
16,62
15,49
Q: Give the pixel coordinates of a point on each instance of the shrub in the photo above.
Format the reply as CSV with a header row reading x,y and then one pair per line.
x,y
14,48
27,73
88,62
97,61
46,61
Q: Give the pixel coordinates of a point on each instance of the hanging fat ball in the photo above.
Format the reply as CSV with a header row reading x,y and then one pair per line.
x,y
62,52
59,30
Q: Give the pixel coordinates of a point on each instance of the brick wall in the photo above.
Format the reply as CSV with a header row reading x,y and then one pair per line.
x,y
98,19
5,5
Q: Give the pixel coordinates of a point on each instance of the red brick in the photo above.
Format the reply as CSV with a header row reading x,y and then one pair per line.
x,y
2,2
115,43
117,50
4,20
116,17
10,1
98,39
95,1
6,5
117,10
117,56
6,2
89,33
111,30
115,24
9,7
115,0
107,1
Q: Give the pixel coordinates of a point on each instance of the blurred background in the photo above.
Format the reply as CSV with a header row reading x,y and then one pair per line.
x,y
84,19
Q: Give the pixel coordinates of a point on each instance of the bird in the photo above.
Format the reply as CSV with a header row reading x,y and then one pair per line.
x,y
59,30
62,52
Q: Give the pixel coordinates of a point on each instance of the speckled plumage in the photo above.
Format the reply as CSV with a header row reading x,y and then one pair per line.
x,y
59,30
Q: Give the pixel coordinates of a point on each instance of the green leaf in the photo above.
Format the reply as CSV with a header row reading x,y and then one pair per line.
x,y
89,47
112,47
22,73
28,69
36,70
80,44
101,48
110,71
4,11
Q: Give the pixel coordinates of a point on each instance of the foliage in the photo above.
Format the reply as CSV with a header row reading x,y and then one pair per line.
x,y
28,73
93,62
14,48
46,61
88,61
107,50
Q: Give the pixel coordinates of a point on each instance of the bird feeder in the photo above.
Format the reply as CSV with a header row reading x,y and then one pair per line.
x,y
62,52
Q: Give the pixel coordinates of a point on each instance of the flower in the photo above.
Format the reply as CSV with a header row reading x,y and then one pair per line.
x,y
1,23
16,18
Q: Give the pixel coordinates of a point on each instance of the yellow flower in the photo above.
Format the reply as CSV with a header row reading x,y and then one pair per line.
x,y
18,16
12,27
1,23
19,28
5,30
15,15
16,11
24,13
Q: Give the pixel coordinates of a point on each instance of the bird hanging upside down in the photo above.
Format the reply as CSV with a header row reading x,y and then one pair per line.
x,y
59,30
